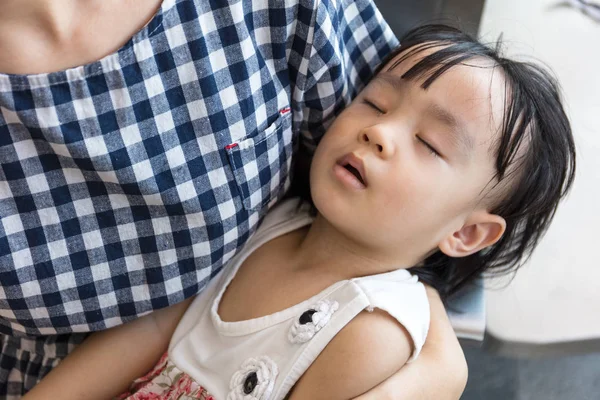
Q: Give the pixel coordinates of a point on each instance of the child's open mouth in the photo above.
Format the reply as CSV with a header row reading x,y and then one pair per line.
x,y
355,172
351,168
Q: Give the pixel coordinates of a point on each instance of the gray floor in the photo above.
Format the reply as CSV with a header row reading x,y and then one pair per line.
x,y
550,378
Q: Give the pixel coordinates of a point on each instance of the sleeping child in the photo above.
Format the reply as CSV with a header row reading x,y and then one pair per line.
x,y
450,163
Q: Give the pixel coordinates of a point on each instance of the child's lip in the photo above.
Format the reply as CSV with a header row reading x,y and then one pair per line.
x,y
357,163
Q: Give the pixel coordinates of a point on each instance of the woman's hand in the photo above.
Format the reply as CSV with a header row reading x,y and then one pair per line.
x,y
439,373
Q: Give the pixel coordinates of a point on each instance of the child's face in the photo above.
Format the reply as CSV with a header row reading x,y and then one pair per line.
x,y
426,160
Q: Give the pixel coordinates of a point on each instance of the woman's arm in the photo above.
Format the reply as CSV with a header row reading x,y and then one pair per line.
x,y
439,373
106,363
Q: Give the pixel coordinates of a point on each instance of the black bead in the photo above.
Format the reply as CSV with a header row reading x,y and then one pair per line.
x,y
250,383
306,317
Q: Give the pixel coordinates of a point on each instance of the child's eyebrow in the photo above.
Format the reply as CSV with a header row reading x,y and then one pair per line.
x,y
392,80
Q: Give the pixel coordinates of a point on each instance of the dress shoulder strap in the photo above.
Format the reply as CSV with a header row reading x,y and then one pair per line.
x,y
401,295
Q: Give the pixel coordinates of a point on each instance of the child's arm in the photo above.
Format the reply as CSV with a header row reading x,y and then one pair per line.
x,y
439,373
367,351
106,363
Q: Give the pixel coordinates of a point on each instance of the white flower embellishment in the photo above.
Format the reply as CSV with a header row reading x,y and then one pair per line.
x,y
254,380
311,321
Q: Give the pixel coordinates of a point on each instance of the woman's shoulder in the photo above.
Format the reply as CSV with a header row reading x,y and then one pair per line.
x,y
367,351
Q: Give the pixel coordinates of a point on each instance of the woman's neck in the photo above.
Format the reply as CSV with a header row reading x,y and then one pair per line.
x,y
53,18
38,36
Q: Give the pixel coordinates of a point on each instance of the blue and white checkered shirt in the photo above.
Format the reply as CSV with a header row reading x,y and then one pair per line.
x,y
127,183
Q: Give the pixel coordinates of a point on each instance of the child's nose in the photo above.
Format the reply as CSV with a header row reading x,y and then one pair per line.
x,y
375,137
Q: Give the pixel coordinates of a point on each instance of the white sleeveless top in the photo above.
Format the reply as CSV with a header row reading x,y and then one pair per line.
x,y
262,358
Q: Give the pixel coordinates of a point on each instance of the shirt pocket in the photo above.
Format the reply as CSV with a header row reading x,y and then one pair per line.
x,y
261,163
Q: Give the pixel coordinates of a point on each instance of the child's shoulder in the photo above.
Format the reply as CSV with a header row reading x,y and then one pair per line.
x,y
367,351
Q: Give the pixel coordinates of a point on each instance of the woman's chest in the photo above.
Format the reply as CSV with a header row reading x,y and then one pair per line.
x,y
157,156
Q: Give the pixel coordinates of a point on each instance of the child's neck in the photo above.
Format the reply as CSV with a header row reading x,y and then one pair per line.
x,y
323,248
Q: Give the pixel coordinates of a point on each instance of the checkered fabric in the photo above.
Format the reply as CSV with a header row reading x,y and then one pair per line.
x,y
127,183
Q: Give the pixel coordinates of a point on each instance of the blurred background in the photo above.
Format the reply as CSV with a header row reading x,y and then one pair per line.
x,y
537,336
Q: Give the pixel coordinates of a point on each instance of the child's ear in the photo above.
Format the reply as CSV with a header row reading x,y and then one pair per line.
x,y
481,230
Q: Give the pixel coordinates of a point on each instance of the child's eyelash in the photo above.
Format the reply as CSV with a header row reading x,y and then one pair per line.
x,y
429,147
373,105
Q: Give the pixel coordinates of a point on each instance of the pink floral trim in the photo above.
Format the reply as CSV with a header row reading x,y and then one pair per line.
x,y
165,382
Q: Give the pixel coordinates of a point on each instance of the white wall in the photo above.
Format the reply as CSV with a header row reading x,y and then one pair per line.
x,y
556,297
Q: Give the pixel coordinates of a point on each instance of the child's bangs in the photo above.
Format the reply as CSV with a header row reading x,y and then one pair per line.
x,y
442,57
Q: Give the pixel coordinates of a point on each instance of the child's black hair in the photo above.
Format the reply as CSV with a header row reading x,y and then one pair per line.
x,y
535,153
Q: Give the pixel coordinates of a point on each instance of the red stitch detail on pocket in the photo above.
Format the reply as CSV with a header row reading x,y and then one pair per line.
x,y
285,110
231,146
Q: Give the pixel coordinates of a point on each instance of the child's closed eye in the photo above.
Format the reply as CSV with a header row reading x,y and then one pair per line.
x,y
373,106
429,147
